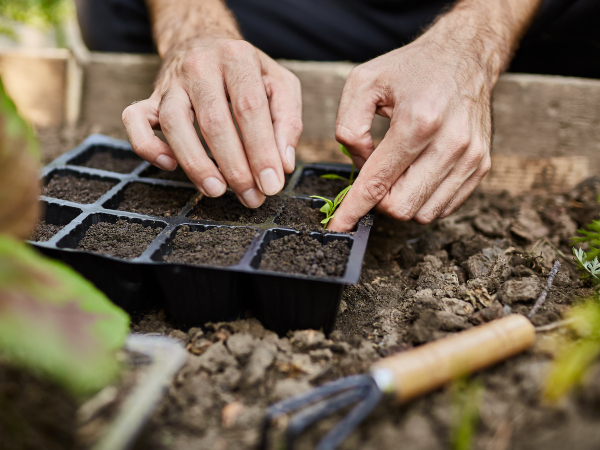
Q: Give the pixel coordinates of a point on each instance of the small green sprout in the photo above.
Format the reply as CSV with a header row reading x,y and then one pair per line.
x,y
330,207
333,176
590,267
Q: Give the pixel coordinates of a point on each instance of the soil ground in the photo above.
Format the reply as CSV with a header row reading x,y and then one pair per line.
x,y
314,185
123,239
44,231
176,175
76,189
217,246
34,413
154,200
413,289
306,255
298,214
229,209
106,161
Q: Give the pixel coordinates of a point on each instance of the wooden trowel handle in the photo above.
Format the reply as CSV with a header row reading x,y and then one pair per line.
x,y
429,366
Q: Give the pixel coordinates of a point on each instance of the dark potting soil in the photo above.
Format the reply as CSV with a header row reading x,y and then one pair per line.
x,y
176,175
44,231
154,200
298,214
76,189
229,209
34,413
122,239
315,185
216,246
306,255
106,161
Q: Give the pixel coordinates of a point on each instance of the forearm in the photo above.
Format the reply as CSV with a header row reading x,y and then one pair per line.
x,y
488,30
176,24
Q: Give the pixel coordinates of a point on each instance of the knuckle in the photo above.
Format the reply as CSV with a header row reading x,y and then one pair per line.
x,y
374,190
237,48
168,116
345,136
485,166
239,179
401,214
213,122
360,74
194,62
295,125
249,103
128,115
426,121
473,159
425,217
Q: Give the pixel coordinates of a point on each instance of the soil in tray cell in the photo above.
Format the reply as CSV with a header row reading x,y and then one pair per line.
x,y
216,247
107,161
44,231
76,189
154,200
306,255
313,184
229,209
123,239
176,175
298,214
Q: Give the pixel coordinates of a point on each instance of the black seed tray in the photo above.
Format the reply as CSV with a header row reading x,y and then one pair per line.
x,y
194,294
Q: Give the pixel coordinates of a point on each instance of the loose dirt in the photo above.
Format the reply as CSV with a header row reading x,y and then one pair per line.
x,y
229,209
106,161
298,214
419,283
306,255
315,185
123,239
75,189
154,200
176,175
34,413
217,246
44,231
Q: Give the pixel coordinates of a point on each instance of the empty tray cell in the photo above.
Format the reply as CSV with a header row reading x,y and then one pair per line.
x,y
206,245
106,158
176,175
312,254
151,200
54,219
111,235
311,183
76,187
229,209
302,214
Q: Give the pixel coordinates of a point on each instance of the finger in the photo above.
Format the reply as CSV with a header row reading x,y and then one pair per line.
x,y
285,102
424,177
243,78
139,120
468,187
216,124
405,141
449,188
356,112
177,122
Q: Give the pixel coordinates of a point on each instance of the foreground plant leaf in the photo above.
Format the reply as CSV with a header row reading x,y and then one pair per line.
x,y
574,359
19,184
55,322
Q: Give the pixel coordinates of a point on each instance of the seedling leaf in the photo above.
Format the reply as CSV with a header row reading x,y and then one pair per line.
x,y
345,151
333,176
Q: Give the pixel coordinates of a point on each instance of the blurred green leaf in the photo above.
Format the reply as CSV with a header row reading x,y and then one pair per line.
x,y
55,322
333,176
467,396
37,13
345,151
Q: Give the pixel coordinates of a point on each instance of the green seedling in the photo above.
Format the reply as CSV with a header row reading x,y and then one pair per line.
x,y
333,176
330,207
466,402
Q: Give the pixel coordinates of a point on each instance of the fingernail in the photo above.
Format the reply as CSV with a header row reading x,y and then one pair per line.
x,y
166,162
269,182
252,198
213,187
291,155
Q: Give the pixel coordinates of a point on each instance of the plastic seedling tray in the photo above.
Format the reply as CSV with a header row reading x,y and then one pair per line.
x,y
193,293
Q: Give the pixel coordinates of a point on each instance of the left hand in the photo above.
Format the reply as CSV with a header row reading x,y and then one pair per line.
x,y
437,93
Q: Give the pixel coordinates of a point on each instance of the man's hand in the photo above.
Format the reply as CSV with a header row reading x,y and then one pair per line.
x,y
198,77
437,93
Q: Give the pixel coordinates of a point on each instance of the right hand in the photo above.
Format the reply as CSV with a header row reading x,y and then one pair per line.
x,y
196,83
